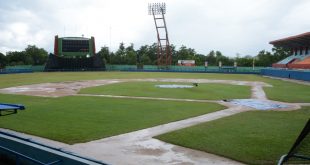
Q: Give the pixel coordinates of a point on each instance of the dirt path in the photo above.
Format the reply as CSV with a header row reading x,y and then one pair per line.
x,y
55,89
140,148
73,87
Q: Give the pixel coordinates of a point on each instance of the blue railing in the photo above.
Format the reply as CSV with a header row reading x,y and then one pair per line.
x,y
42,152
24,157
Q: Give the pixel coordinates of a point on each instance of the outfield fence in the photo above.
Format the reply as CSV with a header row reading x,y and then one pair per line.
x,y
197,69
146,68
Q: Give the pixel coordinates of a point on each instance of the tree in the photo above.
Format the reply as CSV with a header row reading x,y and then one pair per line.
x,y
18,58
119,55
104,54
199,59
244,61
35,55
185,53
225,60
131,55
210,58
145,53
264,58
152,53
32,55
3,61
280,53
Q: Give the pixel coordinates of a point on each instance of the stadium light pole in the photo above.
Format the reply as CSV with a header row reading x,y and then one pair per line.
x,y
164,57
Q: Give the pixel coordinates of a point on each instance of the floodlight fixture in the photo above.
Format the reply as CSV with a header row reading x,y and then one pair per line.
x,y
157,8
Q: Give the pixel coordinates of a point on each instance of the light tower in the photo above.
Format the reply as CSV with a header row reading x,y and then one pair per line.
x,y
158,10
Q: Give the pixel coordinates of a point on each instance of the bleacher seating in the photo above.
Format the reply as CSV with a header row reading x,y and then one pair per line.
x,y
294,61
288,59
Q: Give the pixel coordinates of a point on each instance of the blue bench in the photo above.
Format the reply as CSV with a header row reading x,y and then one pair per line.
x,y
11,107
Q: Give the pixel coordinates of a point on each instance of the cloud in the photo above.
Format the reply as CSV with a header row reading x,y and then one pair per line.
x,y
239,26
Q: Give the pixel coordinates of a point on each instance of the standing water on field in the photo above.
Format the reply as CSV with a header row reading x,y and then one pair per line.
x,y
174,86
257,104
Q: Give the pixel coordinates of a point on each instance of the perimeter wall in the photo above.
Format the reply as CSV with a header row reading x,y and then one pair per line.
x,y
285,73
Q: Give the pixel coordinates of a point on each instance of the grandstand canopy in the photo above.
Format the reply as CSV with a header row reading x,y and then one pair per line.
x,y
301,40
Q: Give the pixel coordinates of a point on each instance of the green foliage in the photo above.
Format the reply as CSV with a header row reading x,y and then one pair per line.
x,y
18,58
258,137
280,53
211,59
147,55
77,119
131,56
3,61
32,55
38,55
265,58
214,57
104,54
206,91
185,53
245,61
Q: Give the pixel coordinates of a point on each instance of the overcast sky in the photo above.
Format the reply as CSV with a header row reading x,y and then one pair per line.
x,y
230,26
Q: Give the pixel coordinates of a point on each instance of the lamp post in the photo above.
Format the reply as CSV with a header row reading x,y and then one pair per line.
x,y
253,63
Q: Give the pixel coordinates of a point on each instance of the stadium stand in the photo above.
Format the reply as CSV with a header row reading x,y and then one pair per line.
x,y
299,45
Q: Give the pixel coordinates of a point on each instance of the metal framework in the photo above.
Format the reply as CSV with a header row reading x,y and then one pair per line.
x,y
164,57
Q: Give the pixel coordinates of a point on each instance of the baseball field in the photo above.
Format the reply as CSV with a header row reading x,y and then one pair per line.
x,y
121,102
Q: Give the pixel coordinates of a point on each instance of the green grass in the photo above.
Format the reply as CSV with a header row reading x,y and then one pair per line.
x,y
288,92
256,137
77,119
207,91
281,90
9,80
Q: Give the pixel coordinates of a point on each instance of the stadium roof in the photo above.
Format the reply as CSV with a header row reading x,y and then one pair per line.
x,y
300,40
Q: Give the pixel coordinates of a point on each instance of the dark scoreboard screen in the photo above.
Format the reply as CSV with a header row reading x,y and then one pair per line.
x,y
75,45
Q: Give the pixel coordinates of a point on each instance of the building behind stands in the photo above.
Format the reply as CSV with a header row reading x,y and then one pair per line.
x,y
74,54
300,51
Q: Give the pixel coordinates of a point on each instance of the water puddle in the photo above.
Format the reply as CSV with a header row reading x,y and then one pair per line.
x,y
174,86
257,104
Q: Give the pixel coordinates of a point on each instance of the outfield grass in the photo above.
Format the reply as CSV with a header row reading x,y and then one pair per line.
x,y
288,92
256,137
9,80
208,91
281,90
77,119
